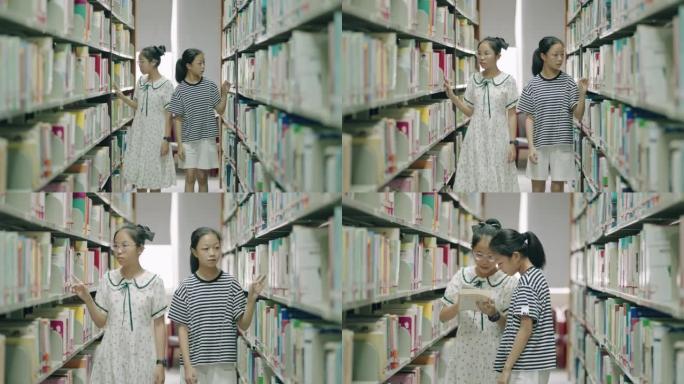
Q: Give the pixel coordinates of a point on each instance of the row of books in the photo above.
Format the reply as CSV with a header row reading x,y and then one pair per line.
x,y
469,8
644,265
395,334
390,69
121,40
420,17
643,146
43,340
296,74
299,266
75,19
40,148
285,343
380,262
123,74
289,148
37,71
644,68
121,112
124,10
639,340
77,370
432,212
393,139
76,213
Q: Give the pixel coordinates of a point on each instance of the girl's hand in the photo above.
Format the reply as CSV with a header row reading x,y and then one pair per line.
x,y
181,152
487,307
225,87
534,157
164,148
503,377
116,89
190,375
257,286
583,85
448,88
79,288
511,153
159,374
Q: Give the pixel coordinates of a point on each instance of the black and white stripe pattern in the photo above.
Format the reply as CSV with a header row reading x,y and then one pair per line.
x,y
210,310
531,298
196,103
550,102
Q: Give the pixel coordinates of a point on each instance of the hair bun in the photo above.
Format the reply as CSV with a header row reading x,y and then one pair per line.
x,y
149,235
161,49
502,42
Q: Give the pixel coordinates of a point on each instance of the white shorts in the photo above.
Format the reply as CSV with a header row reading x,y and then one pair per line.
x,y
557,160
200,154
529,377
221,373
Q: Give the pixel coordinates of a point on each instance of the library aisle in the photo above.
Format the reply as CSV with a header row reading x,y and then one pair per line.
x,y
355,285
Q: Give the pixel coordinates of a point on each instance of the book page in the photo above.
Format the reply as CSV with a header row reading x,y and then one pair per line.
x,y
468,298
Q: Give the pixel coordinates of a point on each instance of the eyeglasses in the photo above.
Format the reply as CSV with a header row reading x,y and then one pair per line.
x,y
122,246
481,256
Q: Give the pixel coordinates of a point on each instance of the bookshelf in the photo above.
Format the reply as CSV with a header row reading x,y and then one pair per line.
x,y
374,301
413,43
287,236
86,45
620,295
614,47
272,120
29,218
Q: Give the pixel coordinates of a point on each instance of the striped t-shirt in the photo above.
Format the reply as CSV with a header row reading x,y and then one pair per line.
x,y
196,103
550,102
530,298
210,310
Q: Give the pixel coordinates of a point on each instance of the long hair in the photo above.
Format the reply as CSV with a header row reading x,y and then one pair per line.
x,y
187,58
544,45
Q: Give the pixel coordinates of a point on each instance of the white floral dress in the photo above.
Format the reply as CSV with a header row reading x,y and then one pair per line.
x,y
143,164
483,162
127,354
477,338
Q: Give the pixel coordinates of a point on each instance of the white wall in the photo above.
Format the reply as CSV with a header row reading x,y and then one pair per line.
x,y
539,18
199,26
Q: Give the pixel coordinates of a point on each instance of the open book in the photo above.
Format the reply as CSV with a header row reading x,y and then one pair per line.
x,y
468,298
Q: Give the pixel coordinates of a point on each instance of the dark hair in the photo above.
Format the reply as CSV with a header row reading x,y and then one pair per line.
x,y
139,233
488,228
187,58
527,244
497,43
197,234
544,45
154,53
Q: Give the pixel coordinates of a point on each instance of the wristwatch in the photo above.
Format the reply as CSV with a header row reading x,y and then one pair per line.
x,y
494,318
511,142
167,138
162,362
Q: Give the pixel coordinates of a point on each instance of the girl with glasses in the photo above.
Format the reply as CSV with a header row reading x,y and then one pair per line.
x,y
479,331
129,305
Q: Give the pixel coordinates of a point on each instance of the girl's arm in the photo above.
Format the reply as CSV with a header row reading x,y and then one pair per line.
x,y
255,289
184,342
131,103
520,342
463,107
513,123
99,317
221,107
160,346
579,107
529,130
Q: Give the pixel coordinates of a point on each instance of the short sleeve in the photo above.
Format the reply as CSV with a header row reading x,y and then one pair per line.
x,y
506,293
176,106
525,303
239,301
102,299
452,289
178,312
526,102
167,94
573,92
158,298
469,95
215,95
511,91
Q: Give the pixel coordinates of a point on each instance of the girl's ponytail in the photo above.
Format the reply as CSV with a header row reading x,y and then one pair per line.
x,y
534,250
181,70
537,62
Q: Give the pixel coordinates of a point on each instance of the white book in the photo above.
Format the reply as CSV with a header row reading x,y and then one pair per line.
x,y
468,298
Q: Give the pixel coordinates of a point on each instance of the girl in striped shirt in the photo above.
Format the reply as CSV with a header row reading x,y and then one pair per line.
x,y
527,350
550,100
194,105
208,308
